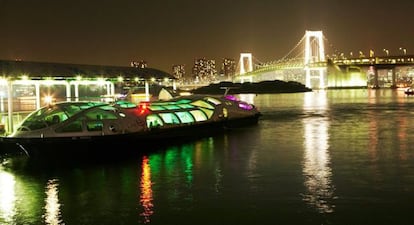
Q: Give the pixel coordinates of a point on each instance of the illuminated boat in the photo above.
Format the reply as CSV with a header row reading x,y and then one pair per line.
x,y
107,124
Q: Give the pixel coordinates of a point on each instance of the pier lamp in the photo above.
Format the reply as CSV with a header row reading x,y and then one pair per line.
x,y
101,81
48,99
404,50
386,51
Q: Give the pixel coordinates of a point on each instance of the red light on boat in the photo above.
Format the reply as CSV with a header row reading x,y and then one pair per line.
x,y
143,107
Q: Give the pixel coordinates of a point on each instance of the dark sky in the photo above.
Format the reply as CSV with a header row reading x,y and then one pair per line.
x,y
163,33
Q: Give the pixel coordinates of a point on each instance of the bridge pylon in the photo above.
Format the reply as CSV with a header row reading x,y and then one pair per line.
x,y
314,52
246,65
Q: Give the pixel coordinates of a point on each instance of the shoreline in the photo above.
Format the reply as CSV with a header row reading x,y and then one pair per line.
x,y
263,87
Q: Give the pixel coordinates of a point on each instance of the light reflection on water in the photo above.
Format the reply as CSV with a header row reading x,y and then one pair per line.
x,y
22,200
52,215
7,197
146,197
316,170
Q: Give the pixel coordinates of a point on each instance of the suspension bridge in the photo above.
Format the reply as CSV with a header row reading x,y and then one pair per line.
x,y
308,63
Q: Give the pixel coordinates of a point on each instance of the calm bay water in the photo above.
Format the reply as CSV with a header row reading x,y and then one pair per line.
x,y
325,157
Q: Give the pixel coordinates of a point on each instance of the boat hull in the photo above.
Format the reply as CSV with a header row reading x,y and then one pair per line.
x,y
111,145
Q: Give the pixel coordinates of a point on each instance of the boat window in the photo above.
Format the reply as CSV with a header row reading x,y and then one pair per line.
x,y
125,104
185,117
94,125
156,107
44,117
171,107
75,126
186,106
73,108
170,118
100,114
183,101
198,115
213,100
208,112
33,124
55,117
203,104
154,120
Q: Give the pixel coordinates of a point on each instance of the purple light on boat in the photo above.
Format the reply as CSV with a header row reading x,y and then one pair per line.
x,y
231,97
245,105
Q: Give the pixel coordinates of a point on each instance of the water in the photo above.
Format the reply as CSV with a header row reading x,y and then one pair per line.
x,y
325,157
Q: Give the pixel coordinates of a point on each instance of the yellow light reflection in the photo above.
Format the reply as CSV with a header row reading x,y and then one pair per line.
x,y
316,170
3,81
249,98
7,197
146,191
52,207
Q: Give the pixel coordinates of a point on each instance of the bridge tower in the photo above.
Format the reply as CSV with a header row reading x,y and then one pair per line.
x,y
314,53
246,65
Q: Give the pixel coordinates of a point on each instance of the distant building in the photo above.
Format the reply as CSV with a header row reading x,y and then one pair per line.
x,y
228,69
139,64
204,70
178,71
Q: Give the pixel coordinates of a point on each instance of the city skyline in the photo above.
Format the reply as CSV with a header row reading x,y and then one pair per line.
x,y
167,33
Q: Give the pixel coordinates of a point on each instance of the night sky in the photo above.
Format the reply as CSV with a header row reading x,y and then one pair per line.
x,y
163,33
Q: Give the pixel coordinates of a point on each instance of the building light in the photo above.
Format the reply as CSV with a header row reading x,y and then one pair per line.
x,y
101,81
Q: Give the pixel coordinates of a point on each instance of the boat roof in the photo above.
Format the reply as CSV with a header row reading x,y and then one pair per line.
x,y
41,70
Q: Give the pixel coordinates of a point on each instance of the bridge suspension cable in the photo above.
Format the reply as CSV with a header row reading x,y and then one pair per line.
x,y
294,48
291,55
